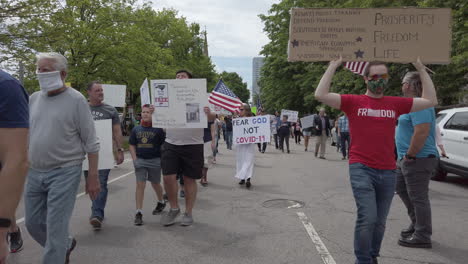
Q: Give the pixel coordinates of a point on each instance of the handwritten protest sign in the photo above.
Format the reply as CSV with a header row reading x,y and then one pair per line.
x,y
383,34
307,121
104,134
179,103
114,94
292,115
248,130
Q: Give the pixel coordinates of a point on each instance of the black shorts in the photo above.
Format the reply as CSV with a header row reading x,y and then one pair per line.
x,y
185,158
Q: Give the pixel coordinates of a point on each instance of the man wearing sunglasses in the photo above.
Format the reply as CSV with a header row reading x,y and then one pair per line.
x,y
372,118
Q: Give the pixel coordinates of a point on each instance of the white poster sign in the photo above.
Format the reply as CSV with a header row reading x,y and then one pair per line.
x,y
307,121
104,134
292,115
114,94
179,103
144,93
249,130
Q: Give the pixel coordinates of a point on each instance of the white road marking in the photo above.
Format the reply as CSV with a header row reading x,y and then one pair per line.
x,y
21,220
319,245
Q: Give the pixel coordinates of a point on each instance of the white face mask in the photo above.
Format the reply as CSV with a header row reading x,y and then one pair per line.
x,y
49,81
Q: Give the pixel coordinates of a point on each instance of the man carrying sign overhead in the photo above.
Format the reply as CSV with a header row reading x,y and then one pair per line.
x,y
372,118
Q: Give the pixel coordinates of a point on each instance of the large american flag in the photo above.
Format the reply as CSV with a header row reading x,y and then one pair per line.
x,y
357,67
222,96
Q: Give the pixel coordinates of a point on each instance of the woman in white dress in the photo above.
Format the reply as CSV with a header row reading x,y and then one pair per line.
x,y
245,155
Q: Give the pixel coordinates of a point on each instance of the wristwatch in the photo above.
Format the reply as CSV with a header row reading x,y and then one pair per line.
x,y
121,149
5,222
410,157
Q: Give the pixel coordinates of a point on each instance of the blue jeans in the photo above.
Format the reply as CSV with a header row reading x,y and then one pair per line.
x,y
229,139
373,191
49,200
98,205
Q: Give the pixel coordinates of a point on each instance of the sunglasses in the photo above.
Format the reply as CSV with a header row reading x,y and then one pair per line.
x,y
375,77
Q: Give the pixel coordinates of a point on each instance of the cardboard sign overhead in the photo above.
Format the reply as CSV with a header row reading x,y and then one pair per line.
x,y
374,34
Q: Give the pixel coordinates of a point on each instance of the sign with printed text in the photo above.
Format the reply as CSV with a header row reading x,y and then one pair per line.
x,y
114,94
307,121
249,130
292,115
179,103
373,34
104,135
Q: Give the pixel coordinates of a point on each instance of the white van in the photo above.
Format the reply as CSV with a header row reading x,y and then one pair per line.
x,y
453,124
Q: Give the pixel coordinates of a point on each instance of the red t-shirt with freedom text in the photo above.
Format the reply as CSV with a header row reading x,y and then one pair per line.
x,y
372,123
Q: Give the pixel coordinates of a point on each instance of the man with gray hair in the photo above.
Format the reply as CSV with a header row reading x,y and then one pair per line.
x,y
417,160
61,133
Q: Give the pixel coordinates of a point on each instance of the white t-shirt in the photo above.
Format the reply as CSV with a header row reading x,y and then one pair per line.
x,y
184,136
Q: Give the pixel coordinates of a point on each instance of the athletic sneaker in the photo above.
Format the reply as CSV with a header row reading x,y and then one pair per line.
x,y
187,220
96,223
169,218
138,219
69,251
16,241
159,208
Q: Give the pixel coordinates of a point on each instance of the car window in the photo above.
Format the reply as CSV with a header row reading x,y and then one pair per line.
x,y
439,117
459,121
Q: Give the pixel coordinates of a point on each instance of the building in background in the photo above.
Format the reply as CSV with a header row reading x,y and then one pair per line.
x,y
257,65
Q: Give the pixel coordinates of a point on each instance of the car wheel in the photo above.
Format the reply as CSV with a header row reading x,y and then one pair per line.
x,y
440,174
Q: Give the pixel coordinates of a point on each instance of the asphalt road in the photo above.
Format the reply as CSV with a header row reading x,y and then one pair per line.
x,y
233,225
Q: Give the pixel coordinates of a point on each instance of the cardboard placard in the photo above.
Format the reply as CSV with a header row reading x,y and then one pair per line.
x,y
292,115
106,155
114,94
145,93
373,34
250,130
307,121
179,103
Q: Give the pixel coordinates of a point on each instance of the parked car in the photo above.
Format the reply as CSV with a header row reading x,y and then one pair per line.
x,y
453,125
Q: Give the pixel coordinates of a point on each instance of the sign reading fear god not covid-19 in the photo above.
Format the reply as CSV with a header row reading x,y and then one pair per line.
x,y
374,34
248,130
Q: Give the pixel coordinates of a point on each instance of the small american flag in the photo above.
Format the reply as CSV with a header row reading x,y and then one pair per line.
x,y
357,67
259,104
225,98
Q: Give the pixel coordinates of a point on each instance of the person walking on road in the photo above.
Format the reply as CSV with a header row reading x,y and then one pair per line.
x,y
209,147
322,127
343,131
261,146
297,132
372,118
102,111
182,151
417,161
61,133
14,129
145,148
245,155
228,121
284,132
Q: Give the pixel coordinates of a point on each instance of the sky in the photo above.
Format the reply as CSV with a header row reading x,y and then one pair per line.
x,y
235,32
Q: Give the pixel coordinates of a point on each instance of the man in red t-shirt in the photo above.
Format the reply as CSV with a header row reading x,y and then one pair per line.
x,y
372,120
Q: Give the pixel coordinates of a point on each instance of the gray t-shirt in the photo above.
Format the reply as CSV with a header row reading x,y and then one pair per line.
x,y
61,130
105,111
184,136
